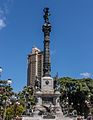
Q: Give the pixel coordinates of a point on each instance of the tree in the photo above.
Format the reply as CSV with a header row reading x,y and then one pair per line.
x,y
77,91
26,98
10,113
5,94
13,111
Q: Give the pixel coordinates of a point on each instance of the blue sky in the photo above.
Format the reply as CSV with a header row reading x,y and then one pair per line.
x,y
71,37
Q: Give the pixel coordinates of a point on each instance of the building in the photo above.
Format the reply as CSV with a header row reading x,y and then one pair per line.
x,y
35,66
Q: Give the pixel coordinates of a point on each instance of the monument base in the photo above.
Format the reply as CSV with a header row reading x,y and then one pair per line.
x,y
40,118
48,117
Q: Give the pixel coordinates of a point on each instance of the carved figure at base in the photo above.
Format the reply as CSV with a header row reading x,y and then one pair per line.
x,y
37,84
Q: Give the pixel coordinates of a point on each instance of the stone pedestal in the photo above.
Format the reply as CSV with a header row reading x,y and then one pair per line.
x,y
47,85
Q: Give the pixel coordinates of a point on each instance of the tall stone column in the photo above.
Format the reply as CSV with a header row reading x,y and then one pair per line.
x,y
46,28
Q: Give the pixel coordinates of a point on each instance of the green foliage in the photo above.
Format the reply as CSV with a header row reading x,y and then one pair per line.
x,y
14,111
19,110
26,98
78,92
9,113
26,95
17,106
84,85
5,94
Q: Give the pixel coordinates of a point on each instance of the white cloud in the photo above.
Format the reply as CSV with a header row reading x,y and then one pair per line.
x,y
2,23
4,11
86,75
2,19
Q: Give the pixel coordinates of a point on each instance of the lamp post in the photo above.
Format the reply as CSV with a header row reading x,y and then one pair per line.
x,y
1,70
9,81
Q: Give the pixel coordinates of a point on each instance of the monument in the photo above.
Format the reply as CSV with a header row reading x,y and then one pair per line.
x,y
45,91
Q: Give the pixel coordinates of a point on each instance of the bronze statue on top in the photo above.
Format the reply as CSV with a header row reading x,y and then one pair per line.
x,y
47,14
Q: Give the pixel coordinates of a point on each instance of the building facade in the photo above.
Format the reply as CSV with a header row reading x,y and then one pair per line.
x,y
35,66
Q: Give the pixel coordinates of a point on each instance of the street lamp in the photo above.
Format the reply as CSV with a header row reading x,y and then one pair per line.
x,y
9,81
1,70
